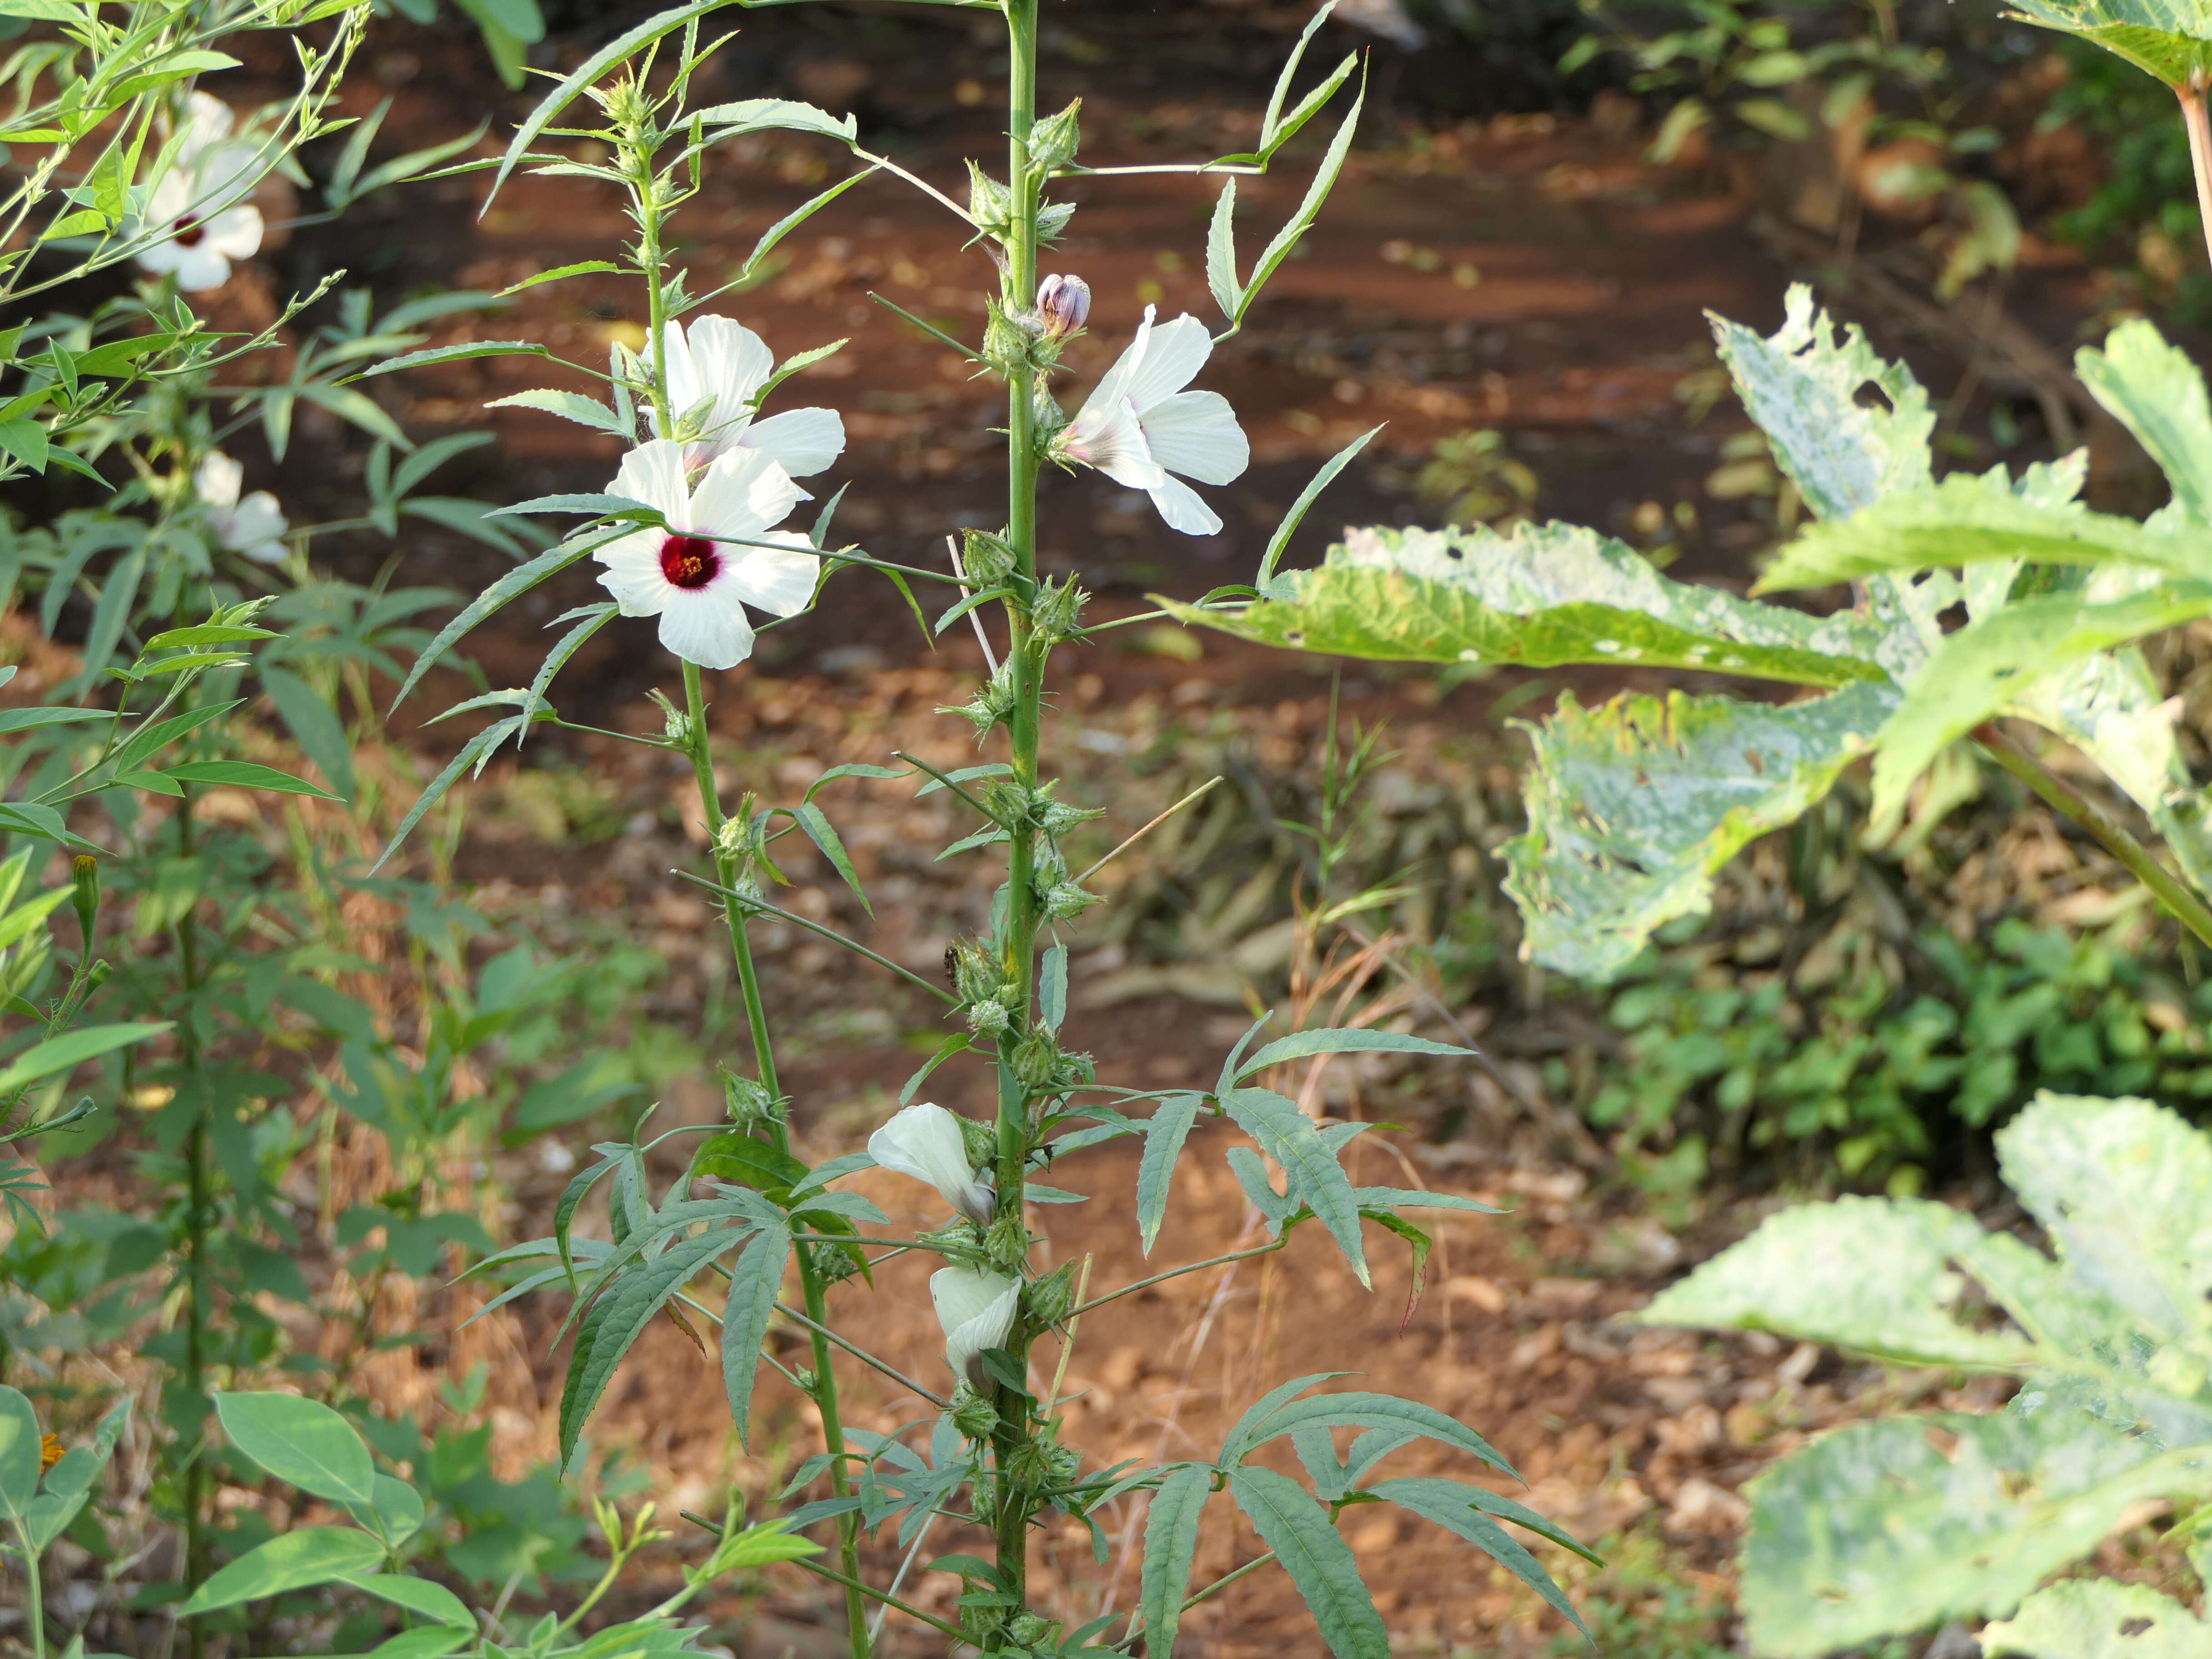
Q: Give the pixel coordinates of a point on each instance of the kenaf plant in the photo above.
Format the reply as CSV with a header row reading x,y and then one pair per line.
x,y
690,531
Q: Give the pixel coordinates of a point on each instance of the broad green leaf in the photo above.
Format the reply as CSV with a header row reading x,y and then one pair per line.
x,y
585,74
1364,1410
569,406
1459,1509
617,1318
1317,1558
1052,987
1346,1040
1171,1535
315,724
1288,1136
1633,806
2125,1190
1974,673
298,1559
302,1443
424,1642
24,719
1544,595
1870,1274
72,1049
1165,1131
2098,1619
753,1286
1967,519
1803,386
68,1483
759,114
1221,252
1901,1523
20,1454
433,1601
2169,38
398,1509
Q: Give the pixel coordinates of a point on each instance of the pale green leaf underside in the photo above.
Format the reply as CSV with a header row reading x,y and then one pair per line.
x,y
2098,1619
2169,38
1547,595
1632,806
2154,390
1900,1524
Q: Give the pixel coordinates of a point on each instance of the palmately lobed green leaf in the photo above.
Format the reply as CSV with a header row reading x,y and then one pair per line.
x,y
1632,805
1899,1524
2154,390
1871,1274
1544,595
2098,1619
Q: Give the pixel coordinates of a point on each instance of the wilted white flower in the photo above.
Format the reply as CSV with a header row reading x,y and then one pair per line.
x,y
720,362
255,527
1140,426
1063,305
976,1310
196,207
924,1141
697,584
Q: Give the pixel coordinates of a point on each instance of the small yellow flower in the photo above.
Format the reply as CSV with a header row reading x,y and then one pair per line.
x,y
51,1452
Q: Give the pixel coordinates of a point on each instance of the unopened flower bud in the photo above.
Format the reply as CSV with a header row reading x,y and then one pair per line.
x,y
973,1414
1063,305
84,871
1049,1298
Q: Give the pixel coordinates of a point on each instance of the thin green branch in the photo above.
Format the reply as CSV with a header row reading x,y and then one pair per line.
x,y
861,1354
763,907
1177,1273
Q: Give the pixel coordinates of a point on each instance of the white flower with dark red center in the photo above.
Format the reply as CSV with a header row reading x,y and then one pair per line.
x,y
197,208
254,526
699,572
1141,428
924,1140
716,367
976,1311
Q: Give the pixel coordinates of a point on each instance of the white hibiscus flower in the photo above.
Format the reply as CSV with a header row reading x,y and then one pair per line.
x,y
976,1310
196,207
718,364
1141,428
924,1141
697,585
255,527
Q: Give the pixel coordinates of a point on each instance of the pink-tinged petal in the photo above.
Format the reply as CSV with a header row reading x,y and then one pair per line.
x,y
1196,433
803,442
744,493
1112,441
235,233
1180,505
777,580
633,574
1173,356
653,473
706,626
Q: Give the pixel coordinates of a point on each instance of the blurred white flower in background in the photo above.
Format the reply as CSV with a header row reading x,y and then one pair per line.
x,y
197,208
255,527
1140,427
976,1311
697,584
716,367
924,1140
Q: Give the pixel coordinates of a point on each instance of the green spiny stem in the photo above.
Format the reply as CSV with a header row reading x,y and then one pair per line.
x,y
814,1292
1012,1507
197,1198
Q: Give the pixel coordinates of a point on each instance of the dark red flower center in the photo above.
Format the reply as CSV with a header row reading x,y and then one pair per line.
x,y
688,561
187,231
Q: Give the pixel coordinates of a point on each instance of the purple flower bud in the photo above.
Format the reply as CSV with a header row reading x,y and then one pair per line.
x,y
1063,304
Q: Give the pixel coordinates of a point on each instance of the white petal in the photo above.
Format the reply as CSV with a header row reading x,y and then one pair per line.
x,y
633,574
235,233
160,257
200,268
777,580
209,121
1111,440
719,361
216,479
802,442
1196,433
256,521
924,1141
976,1310
653,473
707,625
1173,356
172,196
744,493
1108,394
1180,505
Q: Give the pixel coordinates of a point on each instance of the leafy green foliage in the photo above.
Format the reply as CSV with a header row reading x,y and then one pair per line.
x,y
1887,1526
